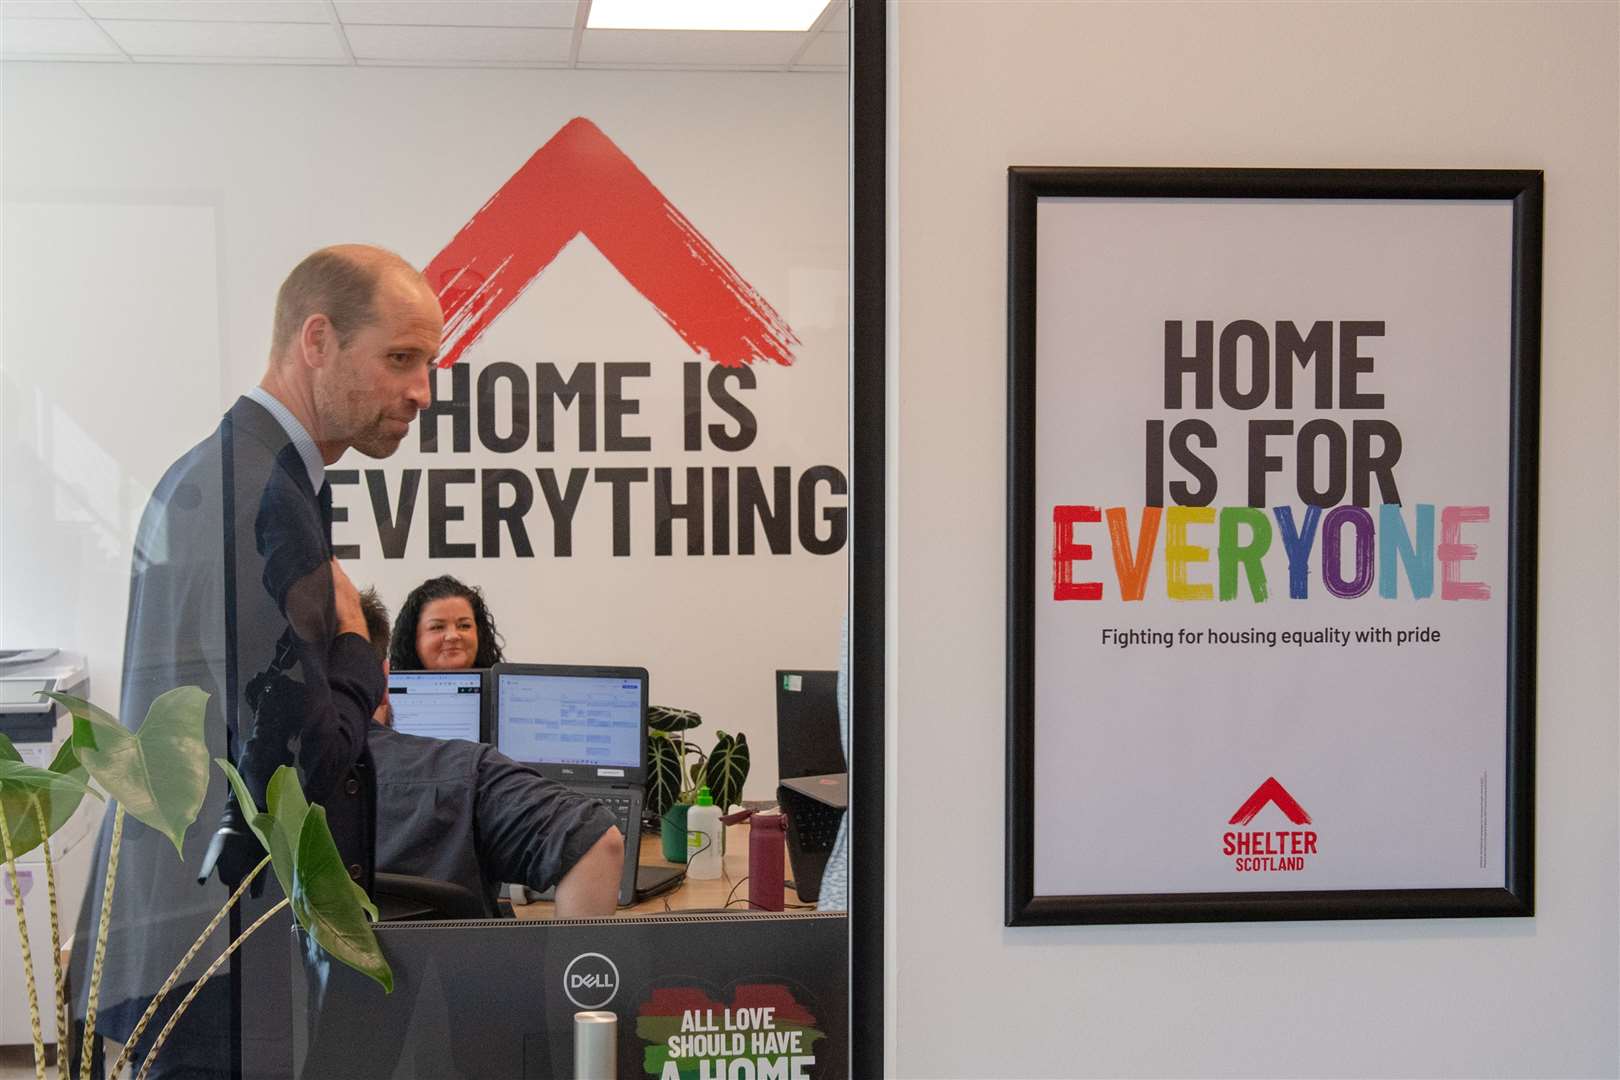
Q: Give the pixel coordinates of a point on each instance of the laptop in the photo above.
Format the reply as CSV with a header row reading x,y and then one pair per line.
x,y
814,807
813,792
586,728
439,704
831,790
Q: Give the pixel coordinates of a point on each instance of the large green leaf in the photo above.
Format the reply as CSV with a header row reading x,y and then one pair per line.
x,y
663,773
271,833
288,809
285,797
57,802
16,776
325,903
244,800
669,718
158,773
364,901
727,769
22,787
81,707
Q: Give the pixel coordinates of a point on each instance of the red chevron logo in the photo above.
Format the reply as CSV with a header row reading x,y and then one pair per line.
x,y
580,182
1270,792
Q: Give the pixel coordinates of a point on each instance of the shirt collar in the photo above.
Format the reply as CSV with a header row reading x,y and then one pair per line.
x,y
299,437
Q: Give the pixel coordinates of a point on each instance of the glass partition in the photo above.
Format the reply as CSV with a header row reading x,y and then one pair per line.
x,y
629,449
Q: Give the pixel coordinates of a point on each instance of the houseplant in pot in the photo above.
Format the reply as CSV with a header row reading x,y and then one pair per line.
x,y
158,774
678,766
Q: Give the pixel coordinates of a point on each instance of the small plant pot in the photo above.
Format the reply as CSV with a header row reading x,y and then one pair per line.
x,y
672,833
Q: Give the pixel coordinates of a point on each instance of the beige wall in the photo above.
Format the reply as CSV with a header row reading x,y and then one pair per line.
x,y
982,85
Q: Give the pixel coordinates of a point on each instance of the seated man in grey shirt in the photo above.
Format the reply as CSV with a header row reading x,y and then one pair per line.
x,y
465,813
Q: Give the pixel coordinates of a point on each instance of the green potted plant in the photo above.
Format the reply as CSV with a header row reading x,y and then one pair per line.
x,y
677,767
159,774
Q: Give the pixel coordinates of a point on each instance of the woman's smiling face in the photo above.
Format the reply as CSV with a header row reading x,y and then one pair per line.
x,y
447,634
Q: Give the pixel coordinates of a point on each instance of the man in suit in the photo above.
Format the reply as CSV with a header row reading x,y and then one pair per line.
x,y
234,589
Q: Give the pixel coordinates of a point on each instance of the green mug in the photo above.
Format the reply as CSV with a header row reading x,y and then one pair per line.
x,y
672,833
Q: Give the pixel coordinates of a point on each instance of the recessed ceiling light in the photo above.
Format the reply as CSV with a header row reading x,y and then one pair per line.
x,y
704,14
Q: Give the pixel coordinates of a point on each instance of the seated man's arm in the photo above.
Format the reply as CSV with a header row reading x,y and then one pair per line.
x,y
535,832
591,886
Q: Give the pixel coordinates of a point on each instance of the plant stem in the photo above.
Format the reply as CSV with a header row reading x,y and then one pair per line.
x,y
27,956
62,1032
157,1044
174,976
101,942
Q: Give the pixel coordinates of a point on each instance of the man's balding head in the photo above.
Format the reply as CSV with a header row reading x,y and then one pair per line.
x,y
357,329
339,282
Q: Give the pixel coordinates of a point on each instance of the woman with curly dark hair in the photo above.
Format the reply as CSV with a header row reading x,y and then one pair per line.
x,y
442,626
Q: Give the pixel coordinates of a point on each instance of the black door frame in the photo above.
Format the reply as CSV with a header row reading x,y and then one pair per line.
x,y
868,518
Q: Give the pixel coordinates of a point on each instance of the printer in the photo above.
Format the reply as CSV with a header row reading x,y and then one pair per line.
x,y
36,727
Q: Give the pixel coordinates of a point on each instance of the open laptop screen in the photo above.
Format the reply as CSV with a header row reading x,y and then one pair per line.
x,y
589,722
438,704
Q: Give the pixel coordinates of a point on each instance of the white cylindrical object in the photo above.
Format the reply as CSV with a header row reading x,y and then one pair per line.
x,y
704,834
596,1046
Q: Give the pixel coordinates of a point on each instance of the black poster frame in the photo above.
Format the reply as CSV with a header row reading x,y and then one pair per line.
x,y
1026,186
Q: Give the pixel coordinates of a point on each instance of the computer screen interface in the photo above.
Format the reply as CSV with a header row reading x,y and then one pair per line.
x,y
437,704
577,720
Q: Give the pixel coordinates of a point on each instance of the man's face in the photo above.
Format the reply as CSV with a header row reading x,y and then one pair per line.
x,y
368,396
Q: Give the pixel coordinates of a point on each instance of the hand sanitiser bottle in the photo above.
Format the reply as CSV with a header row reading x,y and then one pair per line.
x,y
703,860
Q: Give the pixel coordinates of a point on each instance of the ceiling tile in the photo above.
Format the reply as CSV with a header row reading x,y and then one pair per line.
x,y
292,11
716,48
227,40
40,9
555,14
440,44
57,37
827,50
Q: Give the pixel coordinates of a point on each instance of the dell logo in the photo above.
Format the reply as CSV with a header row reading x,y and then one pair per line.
x,y
590,980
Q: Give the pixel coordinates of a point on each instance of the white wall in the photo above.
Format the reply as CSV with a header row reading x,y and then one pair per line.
x,y
152,211
985,85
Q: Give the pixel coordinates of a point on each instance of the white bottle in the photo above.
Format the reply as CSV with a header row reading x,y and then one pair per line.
x,y
703,836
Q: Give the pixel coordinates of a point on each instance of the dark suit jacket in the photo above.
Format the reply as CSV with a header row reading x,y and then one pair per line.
x,y
231,591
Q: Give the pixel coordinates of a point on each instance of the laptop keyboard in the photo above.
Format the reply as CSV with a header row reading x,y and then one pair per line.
x,y
817,824
620,805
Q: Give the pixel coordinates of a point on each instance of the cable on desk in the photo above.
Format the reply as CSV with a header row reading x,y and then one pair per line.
x,y
746,900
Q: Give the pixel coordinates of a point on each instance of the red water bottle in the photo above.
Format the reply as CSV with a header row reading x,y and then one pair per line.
x,y
767,839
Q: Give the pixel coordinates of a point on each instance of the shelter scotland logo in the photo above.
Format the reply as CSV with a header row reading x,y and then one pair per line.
x,y
1269,850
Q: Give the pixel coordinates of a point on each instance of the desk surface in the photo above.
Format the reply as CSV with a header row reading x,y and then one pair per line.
x,y
689,895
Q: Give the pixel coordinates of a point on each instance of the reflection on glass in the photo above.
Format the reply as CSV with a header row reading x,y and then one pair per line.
x,y
634,461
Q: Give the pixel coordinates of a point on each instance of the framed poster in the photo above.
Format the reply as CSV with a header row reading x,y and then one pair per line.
x,y
1271,543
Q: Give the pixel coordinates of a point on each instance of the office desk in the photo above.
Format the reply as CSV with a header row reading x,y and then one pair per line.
x,y
487,998
689,895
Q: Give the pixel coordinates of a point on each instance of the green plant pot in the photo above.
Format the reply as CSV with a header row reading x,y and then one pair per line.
x,y
672,833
